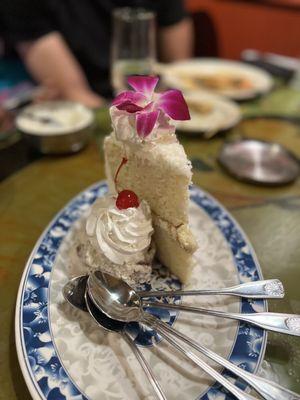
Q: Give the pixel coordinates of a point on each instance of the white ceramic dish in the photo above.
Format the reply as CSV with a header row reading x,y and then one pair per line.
x,y
210,113
183,75
56,127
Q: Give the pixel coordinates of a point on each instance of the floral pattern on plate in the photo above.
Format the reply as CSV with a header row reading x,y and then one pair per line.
x,y
47,369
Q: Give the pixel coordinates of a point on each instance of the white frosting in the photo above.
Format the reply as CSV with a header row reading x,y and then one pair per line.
x,y
169,154
122,235
124,126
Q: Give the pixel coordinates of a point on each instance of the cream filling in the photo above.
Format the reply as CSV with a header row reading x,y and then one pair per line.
x,y
181,234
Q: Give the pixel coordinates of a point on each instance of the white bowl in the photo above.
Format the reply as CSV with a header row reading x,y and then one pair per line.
x,y
56,127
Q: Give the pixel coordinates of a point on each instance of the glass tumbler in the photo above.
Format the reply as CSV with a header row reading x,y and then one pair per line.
x,y
133,49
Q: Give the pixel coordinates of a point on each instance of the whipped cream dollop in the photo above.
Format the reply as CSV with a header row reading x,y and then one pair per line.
x,y
123,236
124,126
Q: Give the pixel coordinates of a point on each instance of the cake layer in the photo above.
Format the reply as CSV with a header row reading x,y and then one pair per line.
x,y
181,234
172,254
161,175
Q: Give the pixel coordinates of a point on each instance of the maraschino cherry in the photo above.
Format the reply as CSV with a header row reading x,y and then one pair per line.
x,y
126,198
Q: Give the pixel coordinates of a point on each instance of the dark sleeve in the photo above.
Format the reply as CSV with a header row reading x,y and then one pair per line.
x,y
170,12
26,19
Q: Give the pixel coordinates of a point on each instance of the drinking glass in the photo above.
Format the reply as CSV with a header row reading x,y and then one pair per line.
x,y
133,49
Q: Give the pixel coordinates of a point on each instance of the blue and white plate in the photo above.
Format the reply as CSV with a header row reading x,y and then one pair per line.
x,y
65,356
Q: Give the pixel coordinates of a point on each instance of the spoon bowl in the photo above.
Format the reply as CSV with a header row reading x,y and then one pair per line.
x,y
110,325
114,297
74,292
76,295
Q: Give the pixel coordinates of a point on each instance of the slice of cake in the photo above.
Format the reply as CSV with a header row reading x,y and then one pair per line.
x,y
142,154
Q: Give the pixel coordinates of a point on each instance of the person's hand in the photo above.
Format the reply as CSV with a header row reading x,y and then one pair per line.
x,y
53,65
85,97
46,93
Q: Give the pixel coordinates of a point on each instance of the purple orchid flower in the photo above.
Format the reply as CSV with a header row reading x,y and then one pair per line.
x,y
148,106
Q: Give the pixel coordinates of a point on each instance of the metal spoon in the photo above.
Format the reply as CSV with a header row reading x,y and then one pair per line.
x,y
277,322
75,293
121,302
268,289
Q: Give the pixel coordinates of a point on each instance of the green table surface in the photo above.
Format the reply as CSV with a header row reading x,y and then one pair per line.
x,y
270,217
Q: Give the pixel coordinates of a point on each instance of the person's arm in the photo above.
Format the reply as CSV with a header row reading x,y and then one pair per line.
x,y
53,65
176,41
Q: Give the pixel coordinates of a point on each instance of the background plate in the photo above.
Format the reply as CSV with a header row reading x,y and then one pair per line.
x,y
180,75
218,113
65,356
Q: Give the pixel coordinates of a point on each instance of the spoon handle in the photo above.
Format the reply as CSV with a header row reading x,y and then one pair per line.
x,y
146,367
267,389
268,289
281,323
155,323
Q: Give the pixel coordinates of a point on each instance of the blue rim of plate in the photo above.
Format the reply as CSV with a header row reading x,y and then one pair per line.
x,y
36,350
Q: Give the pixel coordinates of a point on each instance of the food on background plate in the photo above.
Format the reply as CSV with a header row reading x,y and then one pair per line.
x,y
147,169
210,113
217,81
200,107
